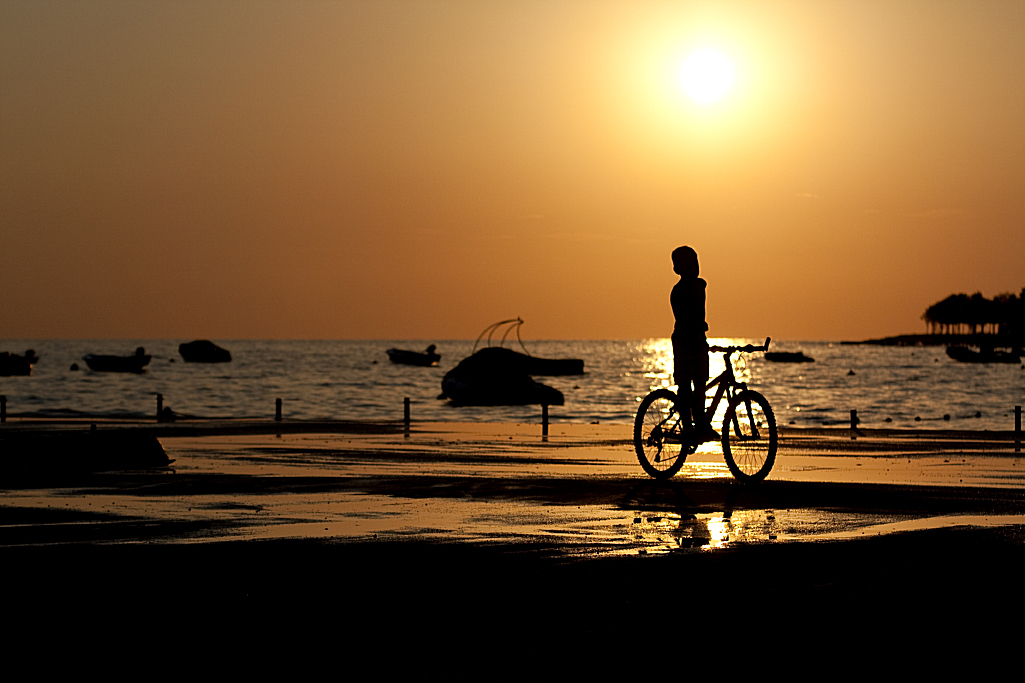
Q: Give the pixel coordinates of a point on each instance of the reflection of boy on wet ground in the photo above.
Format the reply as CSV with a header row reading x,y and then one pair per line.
x,y
690,350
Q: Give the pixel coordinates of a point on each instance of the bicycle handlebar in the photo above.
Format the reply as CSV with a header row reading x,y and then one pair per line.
x,y
743,349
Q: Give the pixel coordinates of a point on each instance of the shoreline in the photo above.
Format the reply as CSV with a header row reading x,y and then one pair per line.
x,y
995,340
222,426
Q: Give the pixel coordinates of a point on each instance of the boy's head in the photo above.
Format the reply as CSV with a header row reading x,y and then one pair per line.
x,y
685,262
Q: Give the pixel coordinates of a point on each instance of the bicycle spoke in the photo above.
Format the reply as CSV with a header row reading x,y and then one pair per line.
x,y
750,446
656,434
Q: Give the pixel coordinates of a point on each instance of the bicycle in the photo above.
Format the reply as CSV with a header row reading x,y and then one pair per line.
x,y
663,438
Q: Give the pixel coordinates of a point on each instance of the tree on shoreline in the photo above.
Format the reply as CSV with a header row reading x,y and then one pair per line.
x,y
963,314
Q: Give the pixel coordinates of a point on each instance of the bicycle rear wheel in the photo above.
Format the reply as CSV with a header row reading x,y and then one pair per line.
x,y
657,435
749,437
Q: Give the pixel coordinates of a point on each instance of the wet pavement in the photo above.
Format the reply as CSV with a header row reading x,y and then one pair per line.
x,y
579,489
468,551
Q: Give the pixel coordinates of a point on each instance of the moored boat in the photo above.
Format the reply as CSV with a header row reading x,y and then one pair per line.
x,y
496,377
424,358
203,351
788,357
103,363
532,365
11,364
965,354
553,366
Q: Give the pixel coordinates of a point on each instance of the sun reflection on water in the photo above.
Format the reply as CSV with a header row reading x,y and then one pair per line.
x,y
664,532
658,368
665,519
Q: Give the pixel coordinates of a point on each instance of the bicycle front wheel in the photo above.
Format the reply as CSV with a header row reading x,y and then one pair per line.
x,y
749,437
657,435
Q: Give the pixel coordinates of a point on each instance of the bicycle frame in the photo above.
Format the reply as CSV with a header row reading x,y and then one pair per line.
x,y
726,383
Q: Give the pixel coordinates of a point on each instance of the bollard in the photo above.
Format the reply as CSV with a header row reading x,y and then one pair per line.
x,y
160,405
405,412
544,419
277,409
1017,429
3,409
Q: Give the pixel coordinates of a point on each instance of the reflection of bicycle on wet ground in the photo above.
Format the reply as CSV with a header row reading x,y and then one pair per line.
x,y
664,438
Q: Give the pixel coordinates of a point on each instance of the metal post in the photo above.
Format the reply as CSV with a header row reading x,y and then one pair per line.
x,y
544,419
160,405
3,409
1017,429
277,409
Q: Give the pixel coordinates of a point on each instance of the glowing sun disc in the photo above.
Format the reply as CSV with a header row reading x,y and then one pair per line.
x,y
707,76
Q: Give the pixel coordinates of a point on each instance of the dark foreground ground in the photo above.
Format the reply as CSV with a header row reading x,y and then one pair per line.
x,y
518,604
942,598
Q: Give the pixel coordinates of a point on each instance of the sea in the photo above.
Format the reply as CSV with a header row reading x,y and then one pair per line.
x,y
888,386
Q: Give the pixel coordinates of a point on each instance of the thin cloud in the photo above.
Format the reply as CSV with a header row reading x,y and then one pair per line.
x,y
583,236
940,213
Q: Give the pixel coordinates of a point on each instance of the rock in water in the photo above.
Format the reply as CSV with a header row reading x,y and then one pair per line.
x,y
203,351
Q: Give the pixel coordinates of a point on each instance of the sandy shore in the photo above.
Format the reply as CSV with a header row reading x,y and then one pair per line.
x,y
455,528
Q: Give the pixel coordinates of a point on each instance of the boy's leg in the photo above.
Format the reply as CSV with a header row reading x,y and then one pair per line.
x,y
701,421
685,402
691,365
682,370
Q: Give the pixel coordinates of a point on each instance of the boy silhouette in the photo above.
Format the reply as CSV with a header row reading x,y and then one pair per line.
x,y
690,349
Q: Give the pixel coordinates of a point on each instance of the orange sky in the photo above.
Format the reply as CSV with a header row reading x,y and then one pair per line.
x,y
422,169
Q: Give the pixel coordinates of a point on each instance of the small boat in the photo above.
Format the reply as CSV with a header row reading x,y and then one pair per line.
x,y
134,363
495,376
203,351
788,357
964,354
11,364
553,366
423,358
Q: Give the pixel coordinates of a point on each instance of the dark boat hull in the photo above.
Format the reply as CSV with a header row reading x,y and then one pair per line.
x,y
203,351
963,354
496,377
553,366
788,357
100,363
507,393
13,365
421,358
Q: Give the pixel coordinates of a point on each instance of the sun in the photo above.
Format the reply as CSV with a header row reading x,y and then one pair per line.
x,y
707,76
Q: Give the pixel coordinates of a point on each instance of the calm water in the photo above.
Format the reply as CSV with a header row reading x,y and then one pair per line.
x,y
354,380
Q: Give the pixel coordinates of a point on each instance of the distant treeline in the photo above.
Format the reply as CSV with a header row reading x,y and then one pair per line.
x,y
963,314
